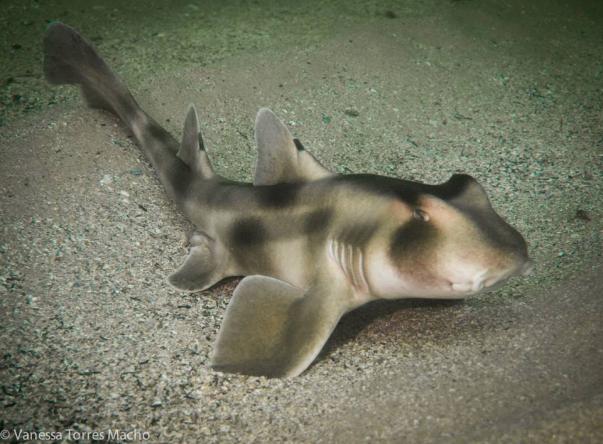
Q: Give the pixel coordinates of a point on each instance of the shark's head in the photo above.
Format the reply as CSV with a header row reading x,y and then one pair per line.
x,y
443,241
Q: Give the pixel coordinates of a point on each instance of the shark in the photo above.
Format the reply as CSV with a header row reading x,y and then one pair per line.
x,y
310,244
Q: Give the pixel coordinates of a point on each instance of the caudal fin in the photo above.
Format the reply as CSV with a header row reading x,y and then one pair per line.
x,y
70,59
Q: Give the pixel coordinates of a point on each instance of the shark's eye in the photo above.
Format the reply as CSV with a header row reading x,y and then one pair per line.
x,y
420,215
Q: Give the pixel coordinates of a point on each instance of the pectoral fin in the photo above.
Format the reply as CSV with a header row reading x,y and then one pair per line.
x,y
280,157
274,329
202,267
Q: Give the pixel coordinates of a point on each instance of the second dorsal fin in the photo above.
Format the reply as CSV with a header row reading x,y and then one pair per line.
x,y
192,152
281,158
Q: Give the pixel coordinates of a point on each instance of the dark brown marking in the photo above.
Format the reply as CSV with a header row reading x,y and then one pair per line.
x,y
128,106
157,132
277,196
413,236
405,190
317,221
248,238
248,232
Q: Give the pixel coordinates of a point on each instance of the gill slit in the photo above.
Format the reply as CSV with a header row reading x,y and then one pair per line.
x,y
350,260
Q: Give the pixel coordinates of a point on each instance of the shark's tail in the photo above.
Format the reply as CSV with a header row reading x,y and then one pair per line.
x,y
70,59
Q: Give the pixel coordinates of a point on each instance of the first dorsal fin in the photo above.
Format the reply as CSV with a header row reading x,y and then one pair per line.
x,y
281,158
192,152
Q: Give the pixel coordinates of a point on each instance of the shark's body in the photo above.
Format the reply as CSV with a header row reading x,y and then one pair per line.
x,y
313,244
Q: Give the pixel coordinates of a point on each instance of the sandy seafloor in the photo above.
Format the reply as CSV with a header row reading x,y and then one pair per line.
x,y
91,336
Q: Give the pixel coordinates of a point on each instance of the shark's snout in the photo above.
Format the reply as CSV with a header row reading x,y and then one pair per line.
x,y
488,278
